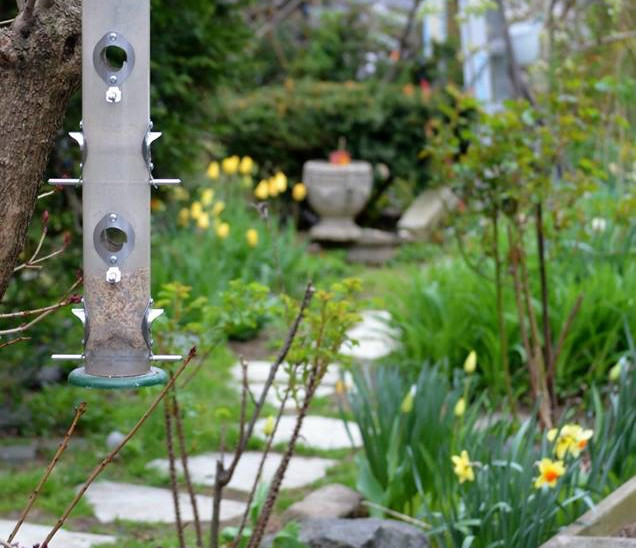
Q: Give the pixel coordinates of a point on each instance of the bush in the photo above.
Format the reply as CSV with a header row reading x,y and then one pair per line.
x,y
284,126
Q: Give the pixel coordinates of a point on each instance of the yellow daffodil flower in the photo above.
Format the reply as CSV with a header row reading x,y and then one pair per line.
x,y
615,371
230,165
273,187
218,208
281,181
299,192
571,439
252,237
341,387
207,196
213,170
183,217
471,363
246,166
180,194
262,190
407,403
268,427
460,407
223,230
462,467
549,472
203,220
196,209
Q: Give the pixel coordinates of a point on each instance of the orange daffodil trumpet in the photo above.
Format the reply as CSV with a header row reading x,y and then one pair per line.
x,y
462,467
570,439
549,472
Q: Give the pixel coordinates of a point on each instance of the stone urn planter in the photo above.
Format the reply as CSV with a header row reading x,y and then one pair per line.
x,y
611,524
338,193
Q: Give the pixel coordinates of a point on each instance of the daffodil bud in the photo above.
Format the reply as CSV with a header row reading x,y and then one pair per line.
x,y
460,407
407,402
471,363
268,427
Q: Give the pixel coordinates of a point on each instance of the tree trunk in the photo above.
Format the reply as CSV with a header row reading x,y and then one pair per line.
x,y
39,71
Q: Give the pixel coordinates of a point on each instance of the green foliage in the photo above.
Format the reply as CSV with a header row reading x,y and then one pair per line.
x,y
284,126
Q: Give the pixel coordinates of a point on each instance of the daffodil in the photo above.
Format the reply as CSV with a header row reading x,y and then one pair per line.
x,y
616,370
462,467
196,209
207,196
213,170
203,220
471,363
273,187
281,181
407,403
571,438
549,472
262,190
246,166
252,237
183,216
268,427
341,387
223,230
299,192
218,208
230,165
460,407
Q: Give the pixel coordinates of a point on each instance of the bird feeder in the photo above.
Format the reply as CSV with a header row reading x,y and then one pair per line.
x,y
115,138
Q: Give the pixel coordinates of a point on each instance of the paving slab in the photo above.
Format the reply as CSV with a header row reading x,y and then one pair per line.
x,y
316,432
274,396
375,337
301,471
258,372
31,534
113,500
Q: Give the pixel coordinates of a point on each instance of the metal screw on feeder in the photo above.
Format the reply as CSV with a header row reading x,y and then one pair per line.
x,y
116,179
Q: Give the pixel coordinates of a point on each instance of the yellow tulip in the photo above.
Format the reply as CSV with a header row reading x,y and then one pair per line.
x,y
183,217
460,407
262,190
462,467
281,181
223,230
273,187
207,196
471,363
299,192
252,237
213,170
230,165
196,209
218,208
203,221
549,472
246,166
268,427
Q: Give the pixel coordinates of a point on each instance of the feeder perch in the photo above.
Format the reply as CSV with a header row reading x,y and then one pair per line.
x,y
115,139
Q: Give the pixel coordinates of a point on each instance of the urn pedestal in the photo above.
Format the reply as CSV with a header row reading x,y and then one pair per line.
x,y
338,193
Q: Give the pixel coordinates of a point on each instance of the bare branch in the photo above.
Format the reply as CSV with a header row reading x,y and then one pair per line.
x,y
79,411
109,458
14,341
174,485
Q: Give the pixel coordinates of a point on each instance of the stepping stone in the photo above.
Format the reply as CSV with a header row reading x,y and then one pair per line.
x,y
112,500
426,212
273,394
316,432
375,337
30,535
258,372
301,471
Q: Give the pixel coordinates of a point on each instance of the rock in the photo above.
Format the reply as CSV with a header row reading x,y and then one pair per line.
x,y
18,454
374,247
30,535
426,212
330,501
361,533
114,439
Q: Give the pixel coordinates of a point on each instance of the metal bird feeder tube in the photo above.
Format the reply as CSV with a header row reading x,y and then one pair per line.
x,y
116,184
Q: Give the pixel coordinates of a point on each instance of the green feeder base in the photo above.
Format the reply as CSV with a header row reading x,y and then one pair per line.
x,y
79,377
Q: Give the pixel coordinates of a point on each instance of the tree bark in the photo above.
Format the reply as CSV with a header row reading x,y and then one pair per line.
x,y
39,71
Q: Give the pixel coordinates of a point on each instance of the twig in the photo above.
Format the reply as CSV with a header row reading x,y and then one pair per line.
x,y
184,464
173,471
50,192
38,247
7,21
14,341
108,459
79,411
